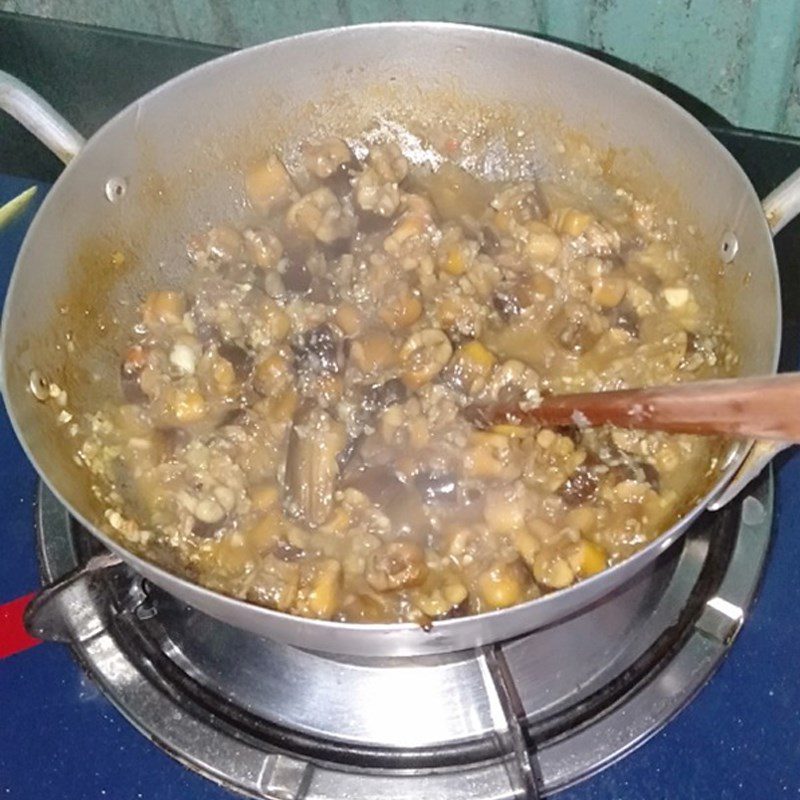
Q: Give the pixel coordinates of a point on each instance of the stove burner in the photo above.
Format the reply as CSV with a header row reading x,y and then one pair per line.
x,y
517,720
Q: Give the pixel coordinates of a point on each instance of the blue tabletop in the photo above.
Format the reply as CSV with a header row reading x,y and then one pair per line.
x,y
59,737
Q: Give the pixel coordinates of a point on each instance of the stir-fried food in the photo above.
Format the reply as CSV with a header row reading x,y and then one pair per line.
x,y
290,426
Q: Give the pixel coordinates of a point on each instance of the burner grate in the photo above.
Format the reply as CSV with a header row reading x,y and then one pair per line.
x,y
516,720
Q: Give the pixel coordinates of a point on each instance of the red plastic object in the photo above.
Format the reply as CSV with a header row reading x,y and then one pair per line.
x,y
13,636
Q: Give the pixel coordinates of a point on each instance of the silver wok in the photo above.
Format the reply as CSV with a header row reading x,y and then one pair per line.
x,y
174,157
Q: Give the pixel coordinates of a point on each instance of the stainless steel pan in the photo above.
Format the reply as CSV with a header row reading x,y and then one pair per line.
x,y
173,158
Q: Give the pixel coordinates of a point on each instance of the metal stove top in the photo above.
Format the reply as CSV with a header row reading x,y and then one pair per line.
x,y
519,720
61,737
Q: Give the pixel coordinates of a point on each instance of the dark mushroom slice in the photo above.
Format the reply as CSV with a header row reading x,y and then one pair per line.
x,y
388,394
624,316
239,358
319,349
287,552
340,179
208,530
131,389
338,247
651,475
575,434
235,416
345,457
312,469
491,243
369,223
369,402
618,465
206,332
580,488
641,471
400,502
296,277
479,415
369,450
512,297
130,373
506,302
171,439
573,331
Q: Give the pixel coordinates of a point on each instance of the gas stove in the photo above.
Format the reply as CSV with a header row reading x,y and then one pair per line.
x,y
519,720
150,695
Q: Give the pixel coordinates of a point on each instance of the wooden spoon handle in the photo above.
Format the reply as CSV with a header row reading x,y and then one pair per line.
x,y
762,408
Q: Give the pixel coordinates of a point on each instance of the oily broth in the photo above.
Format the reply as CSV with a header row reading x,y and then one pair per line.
x,y
496,145
359,558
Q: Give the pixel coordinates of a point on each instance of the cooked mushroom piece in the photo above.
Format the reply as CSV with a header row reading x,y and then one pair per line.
x,y
207,530
238,358
322,215
130,373
396,565
275,583
131,388
368,403
624,316
506,303
331,161
371,400
297,277
319,350
581,487
401,504
312,470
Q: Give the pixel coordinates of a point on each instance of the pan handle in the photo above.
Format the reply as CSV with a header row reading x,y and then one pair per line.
x,y
39,117
780,206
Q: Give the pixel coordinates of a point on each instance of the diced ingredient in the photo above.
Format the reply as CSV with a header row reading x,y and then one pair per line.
x,y
269,185
322,215
396,565
164,307
327,158
423,356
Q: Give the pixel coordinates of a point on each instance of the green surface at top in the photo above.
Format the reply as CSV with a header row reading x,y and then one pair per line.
x,y
740,57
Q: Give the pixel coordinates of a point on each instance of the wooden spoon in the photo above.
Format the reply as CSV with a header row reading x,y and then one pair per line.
x,y
760,408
